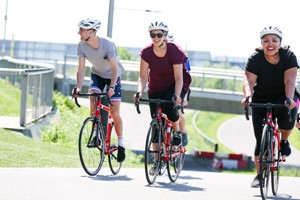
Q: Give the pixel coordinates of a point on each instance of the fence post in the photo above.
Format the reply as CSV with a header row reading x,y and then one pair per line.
x,y
23,98
64,76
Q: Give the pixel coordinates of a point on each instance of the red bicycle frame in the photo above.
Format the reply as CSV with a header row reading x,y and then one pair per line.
x,y
99,107
276,135
167,132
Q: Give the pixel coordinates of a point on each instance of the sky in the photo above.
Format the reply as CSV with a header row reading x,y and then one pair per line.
x,y
223,27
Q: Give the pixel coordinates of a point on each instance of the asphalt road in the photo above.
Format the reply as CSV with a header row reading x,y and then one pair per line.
x,y
130,184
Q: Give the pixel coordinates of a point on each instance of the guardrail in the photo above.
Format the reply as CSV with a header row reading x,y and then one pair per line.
x,y
224,80
35,81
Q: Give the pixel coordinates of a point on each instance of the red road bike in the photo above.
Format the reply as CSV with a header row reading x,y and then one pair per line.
x,y
95,141
270,158
160,154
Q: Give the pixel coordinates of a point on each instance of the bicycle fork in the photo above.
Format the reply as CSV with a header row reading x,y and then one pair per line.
x,y
277,159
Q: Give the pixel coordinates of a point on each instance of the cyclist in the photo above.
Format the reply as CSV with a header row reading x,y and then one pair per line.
x,y
106,70
270,76
187,79
161,67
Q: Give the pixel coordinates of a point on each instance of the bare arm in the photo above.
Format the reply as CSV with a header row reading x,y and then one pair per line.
x,y
144,74
114,66
249,82
80,72
290,77
178,80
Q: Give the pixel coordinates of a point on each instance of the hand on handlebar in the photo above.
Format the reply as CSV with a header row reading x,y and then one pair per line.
x,y
75,92
246,101
245,104
290,103
177,101
137,98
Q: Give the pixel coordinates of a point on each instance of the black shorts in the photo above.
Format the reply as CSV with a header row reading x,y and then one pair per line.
x,y
97,84
167,108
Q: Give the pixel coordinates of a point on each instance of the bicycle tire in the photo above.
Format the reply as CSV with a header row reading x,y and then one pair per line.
x,y
114,165
275,173
153,152
91,150
264,161
163,167
175,163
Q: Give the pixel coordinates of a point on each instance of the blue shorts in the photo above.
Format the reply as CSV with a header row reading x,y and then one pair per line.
x,y
97,84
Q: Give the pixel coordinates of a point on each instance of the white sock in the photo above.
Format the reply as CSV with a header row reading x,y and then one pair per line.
x,y
121,141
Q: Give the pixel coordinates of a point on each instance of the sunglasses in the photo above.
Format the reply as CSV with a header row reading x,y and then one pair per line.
x,y
158,35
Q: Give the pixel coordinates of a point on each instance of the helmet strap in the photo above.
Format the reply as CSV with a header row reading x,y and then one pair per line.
x,y
87,39
161,44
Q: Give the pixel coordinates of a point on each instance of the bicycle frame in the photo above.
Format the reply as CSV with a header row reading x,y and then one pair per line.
x,y
109,148
96,114
105,145
276,137
161,151
167,140
270,157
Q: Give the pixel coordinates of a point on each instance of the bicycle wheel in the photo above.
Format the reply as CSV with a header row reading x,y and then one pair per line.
x,y
163,167
91,146
114,165
276,167
152,152
264,161
175,163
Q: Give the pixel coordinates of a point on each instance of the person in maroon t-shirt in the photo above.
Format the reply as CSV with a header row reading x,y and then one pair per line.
x,y
161,68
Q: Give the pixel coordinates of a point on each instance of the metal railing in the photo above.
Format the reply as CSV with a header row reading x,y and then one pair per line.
x,y
35,81
225,81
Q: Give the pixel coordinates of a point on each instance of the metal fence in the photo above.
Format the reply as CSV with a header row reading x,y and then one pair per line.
x,y
35,83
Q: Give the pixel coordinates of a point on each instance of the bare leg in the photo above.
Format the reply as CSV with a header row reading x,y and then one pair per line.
x,y
285,134
182,122
115,114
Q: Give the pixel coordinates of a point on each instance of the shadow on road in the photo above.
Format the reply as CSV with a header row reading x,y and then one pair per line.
x,y
109,177
178,186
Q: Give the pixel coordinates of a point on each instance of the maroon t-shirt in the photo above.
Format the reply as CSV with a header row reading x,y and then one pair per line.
x,y
161,76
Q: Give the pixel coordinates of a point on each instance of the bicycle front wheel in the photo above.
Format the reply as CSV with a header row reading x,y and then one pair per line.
x,y
265,158
91,146
175,163
153,152
276,167
114,165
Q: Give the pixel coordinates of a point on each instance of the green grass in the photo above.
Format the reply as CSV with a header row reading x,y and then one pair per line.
x,y
18,150
10,99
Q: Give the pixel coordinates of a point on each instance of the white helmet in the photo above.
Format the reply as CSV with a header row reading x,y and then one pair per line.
x,y
170,37
158,26
271,30
90,24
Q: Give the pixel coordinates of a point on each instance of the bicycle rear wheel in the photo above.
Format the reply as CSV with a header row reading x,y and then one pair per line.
x,y
264,161
91,146
153,152
276,167
175,163
114,165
